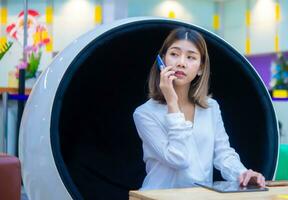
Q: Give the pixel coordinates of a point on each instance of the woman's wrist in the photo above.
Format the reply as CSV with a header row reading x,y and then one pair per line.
x,y
173,107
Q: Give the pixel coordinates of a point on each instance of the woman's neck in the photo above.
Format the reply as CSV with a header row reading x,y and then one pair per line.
x,y
182,93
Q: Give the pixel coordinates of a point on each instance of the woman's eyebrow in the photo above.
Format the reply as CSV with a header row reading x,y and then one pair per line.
x,y
192,52
189,51
177,48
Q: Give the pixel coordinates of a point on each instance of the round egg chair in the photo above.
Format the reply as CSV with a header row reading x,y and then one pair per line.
x,y
77,135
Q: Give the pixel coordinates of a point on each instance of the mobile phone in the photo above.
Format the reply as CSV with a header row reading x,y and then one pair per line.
x,y
160,63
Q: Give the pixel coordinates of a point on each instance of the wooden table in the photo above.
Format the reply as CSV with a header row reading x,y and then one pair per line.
x,y
198,193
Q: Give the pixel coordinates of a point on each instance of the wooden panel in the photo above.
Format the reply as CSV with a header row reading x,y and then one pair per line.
x,y
13,90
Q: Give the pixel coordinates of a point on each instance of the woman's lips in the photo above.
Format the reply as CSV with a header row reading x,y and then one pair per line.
x,y
180,74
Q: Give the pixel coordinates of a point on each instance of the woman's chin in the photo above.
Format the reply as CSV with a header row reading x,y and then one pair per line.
x,y
180,82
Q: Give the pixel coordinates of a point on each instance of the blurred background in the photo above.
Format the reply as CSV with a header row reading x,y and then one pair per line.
x,y
258,29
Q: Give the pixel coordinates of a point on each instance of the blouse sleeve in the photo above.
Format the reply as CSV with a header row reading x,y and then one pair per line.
x,y
225,158
169,148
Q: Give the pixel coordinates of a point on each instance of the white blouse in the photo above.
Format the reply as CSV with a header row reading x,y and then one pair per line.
x,y
179,153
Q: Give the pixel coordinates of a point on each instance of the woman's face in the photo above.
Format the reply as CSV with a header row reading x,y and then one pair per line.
x,y
185,59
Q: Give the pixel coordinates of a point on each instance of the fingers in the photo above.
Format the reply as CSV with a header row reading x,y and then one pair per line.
x,y
247,177
241,179
252,177
166,69
166,85
171,78
167,74
260,180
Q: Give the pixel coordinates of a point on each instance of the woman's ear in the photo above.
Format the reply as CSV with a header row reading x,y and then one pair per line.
x,y
199,73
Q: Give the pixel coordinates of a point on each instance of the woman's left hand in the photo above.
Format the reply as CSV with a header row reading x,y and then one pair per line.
x,y
252,177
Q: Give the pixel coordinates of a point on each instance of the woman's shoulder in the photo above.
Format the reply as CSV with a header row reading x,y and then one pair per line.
x,y
214,106
212,103
149,106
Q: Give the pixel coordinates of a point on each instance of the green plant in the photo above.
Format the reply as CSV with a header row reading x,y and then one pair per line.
x,y
31,65
4,47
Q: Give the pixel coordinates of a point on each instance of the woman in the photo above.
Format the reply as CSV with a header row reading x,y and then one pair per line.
x,y
180,126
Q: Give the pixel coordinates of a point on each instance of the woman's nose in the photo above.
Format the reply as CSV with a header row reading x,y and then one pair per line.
x,y
181,62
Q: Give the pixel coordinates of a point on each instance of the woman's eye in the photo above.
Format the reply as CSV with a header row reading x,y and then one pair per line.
x,y
173,54
192,57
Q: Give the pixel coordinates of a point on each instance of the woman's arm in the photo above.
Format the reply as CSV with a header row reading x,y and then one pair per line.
x,y
228,161
169,148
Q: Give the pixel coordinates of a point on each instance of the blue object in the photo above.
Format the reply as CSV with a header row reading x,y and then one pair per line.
x,y
160,63
18,97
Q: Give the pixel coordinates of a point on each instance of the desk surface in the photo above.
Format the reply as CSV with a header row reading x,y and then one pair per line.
x,y
199,193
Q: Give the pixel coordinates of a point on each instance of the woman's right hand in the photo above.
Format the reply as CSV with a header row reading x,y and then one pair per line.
x,y
166,85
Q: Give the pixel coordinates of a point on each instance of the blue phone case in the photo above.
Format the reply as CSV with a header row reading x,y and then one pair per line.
x,y
160,63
